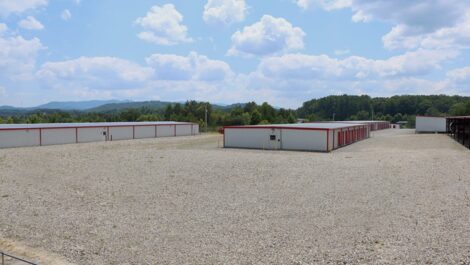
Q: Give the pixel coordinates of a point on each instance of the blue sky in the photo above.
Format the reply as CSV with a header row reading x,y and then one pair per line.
x,y
225,51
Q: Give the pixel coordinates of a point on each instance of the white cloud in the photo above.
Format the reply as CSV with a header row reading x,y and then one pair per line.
x,y
18,57
192,67
325,4
3,91
8,7
268,36
224,12
66,15
460,76
163,26
31,23
323,67
457,36
422,23
3,28
94,73
432,24
423,15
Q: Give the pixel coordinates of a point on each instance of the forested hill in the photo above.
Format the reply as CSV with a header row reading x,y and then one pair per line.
x,y
344,107
394,108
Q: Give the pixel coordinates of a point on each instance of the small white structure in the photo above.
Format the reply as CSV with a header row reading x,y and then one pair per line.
x,y
322,137
428,124
18,135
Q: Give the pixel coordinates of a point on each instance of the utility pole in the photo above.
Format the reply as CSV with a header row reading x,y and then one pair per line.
x,y
334,114
206,118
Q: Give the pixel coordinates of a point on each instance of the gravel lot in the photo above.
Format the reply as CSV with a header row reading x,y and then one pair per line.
x,y
397,198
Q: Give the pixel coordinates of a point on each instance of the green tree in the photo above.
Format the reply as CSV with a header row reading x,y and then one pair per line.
x,y
255,117
362,115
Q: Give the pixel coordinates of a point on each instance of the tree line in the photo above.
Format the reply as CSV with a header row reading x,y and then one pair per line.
x,y
342,107
191,111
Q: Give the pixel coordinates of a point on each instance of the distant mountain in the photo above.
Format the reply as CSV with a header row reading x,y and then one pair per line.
x,y
101,106
5,107
155,105
77,105
115,107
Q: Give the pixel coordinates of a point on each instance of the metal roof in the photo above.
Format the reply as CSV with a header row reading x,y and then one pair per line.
x,y
87,125
362,122
305,126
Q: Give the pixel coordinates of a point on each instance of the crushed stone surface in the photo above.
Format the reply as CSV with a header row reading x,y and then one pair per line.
x,y
396,198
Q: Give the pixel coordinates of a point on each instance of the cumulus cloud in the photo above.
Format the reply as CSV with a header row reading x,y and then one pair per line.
x,y
166,76
31,23
424,15
325,4
268,36
8,7
312,67
460,76
403,36
422,23
224,12
18,56
94,73
191,67
66,15
163,26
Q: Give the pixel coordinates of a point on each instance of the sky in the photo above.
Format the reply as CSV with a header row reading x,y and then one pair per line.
x,y
284,52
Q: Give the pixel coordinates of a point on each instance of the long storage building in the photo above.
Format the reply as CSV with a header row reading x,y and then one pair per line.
x,y
18,135
323,137
373,125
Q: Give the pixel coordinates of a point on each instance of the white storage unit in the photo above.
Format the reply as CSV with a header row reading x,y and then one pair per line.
x,y
91,134
17,138
58,136
18,135
142,132
322,137
121,133
166,131
431,124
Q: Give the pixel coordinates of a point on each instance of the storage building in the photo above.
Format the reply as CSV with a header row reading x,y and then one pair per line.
x,y
459,129
373,125
17,135
428,124
322,137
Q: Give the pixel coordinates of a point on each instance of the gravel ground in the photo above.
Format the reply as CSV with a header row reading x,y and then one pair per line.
x,y
397,198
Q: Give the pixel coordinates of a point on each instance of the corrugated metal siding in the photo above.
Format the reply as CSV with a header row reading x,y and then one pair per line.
x,y
304,140
58,136
20,138
431,124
